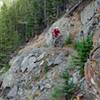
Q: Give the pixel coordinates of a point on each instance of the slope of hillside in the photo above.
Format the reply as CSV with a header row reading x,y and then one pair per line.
x,y
37,68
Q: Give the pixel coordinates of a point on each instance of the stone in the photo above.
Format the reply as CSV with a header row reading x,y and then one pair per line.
x,y
13,93
16,63
8,80
42,85
59,59
32,64
76,77
50,61
34,89
42,62
48,86
28,63
32,59
41,56
20,91
6,90
1,98
1,81
96,39
24,63
92,72
88,13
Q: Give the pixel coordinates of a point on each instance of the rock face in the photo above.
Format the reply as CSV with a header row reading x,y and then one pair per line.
x,y
35,72
89,19
88,13
92,67
92,73
32,76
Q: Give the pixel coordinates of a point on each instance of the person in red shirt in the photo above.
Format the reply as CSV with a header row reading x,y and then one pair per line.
x,y
56,32
57,37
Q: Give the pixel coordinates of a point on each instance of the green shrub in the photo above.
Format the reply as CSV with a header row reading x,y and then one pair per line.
x,y
69,87
79,59
83,49
66,90
46,68
56,93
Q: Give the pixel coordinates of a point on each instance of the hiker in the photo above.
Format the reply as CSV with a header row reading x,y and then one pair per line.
x,y
57,37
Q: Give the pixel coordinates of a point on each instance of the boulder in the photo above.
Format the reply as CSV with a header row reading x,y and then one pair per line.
x,y
59,59
96,39
8,79
25,64
28,63
41,56
12,95
15,63
88,13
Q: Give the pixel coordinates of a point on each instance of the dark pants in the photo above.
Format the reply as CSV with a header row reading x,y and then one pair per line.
x,y
58,42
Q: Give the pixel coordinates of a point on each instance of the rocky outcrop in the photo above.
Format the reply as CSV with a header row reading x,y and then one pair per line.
x,y
92,73
89,17
92,67
34,73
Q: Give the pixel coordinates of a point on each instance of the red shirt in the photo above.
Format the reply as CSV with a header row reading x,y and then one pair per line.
x,y
55,32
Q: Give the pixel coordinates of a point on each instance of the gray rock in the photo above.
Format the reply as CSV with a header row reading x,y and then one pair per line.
x,y
1,81
76,77
20,91
97,4
42,85
32,59
59,59
32,64
88,13
48,86
5,92
41,56
42,62
25,63
34,89
12,95
1,98
8,80
16,63
50,61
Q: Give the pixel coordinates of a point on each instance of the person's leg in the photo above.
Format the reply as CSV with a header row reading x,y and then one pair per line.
x,y
61,41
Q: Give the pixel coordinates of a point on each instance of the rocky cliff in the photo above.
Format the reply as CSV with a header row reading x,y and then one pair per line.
x,y
36,69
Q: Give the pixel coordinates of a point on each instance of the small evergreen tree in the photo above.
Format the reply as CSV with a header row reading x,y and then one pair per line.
x,y
83,49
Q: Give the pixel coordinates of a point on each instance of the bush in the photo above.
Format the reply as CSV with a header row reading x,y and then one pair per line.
x,y
56,93
83,49
46,68
79,59
66,90
69,87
